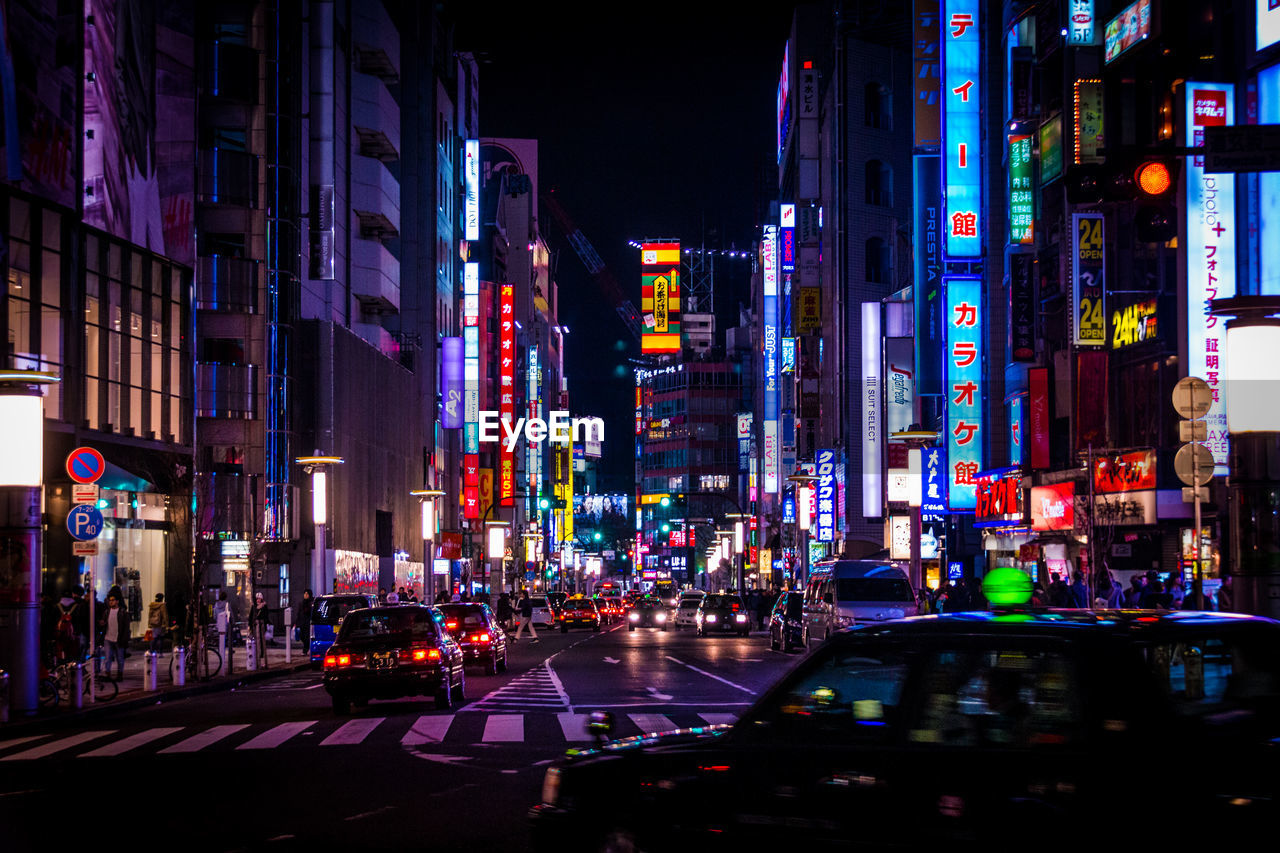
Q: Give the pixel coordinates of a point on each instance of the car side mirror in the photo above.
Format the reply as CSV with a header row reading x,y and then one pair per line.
x,y
600,724
826,598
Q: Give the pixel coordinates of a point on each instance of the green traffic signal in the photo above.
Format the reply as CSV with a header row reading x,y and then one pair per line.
x,y
666,502
596,536
544,503
666,528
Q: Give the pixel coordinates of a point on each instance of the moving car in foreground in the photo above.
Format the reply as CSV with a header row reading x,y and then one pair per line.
x,y
722,614
647,613
392,652
326,615
579,612
978,731
474,627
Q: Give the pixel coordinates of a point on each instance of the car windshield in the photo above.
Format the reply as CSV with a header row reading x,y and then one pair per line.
x,y
874,589
691,602
648,604
579,605
720,601
467,617
390,623
538,602
329,611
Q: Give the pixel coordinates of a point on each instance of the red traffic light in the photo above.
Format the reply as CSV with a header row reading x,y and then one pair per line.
x,y
1153,178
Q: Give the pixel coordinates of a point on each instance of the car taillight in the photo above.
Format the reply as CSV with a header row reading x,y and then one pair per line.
x,y
330,661
479,638
336,660
451,625
735,608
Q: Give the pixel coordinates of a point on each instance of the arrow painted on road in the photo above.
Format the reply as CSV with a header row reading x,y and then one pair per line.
x,y
661,697
443,759
612,660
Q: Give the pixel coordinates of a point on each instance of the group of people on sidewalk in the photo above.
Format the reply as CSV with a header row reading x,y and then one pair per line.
x,y
1146,592
64,628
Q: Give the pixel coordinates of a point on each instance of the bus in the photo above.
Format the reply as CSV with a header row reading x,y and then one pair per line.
x,y
667,590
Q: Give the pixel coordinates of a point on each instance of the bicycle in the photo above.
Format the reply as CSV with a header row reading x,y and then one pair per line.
x,y
202,658
59,681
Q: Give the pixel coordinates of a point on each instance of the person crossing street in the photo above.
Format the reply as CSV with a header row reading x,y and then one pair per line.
x,y
526,617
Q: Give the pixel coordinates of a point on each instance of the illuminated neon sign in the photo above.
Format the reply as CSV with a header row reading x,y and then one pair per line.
x,y
965,389
962,108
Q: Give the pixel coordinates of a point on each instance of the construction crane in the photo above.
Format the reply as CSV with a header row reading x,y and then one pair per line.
x,y
591,259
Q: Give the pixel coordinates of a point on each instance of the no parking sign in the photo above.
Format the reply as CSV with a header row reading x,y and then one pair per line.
x,y
85,465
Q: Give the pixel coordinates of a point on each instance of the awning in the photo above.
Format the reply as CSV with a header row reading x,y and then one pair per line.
x,y
115,477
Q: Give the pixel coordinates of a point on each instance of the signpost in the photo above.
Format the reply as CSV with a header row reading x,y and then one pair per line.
x,y
85,465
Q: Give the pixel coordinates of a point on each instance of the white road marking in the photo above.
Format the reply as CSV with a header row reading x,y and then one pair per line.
x,y
719,719
273,737
612,660
427,730
352,732
19,741
195,743
652,722
661,697
574,726
442,759
131,742
57,745
713,675
506,728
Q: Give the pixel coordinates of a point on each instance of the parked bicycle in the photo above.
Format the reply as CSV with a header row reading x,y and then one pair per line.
x,y
202,659
58,682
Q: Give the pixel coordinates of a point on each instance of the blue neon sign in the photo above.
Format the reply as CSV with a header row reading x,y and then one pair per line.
x,y
962,134
965,389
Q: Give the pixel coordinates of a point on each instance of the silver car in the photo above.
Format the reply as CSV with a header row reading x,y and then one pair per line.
x,y
687,611
542,613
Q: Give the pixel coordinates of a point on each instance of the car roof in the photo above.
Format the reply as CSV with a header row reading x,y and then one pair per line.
x,y
341,595
1060,623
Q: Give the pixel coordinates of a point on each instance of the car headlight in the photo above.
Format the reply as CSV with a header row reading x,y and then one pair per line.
x,y
634,617
551,786
661,617
711,617
740,618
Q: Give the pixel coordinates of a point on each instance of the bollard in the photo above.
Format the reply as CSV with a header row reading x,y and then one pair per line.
x,y
151,670
288,635
180,665
250,653
224,651
77,685
4,696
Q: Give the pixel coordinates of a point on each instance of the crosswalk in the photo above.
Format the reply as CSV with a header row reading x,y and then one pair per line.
x,y
539,689
554,729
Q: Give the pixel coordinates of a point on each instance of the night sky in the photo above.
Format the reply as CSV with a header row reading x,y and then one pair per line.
x,y
660,125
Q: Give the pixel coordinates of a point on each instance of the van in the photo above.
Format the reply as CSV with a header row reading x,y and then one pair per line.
x,y
846,592
327,612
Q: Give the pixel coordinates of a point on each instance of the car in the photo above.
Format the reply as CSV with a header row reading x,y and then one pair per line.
x,y
556,601
686,613
980,731
647,613
326,615
720,614
610,608
392,652
847,592
786,622
579,612
542,612
474,627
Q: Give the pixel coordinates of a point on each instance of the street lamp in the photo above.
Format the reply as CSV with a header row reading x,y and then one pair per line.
x,y
496,535
428,499
740,546
1253,420
315,466
21,486
804,484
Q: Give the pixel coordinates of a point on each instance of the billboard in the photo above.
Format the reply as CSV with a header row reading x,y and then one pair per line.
x,y
928,273
1211,253
933,462
507,391
596,510
1267,29
1022,208
451,383
965,389
962,111
999,498
787,239
139,128
927,68
825,522
784,101
471,389
471,204
872,428
770,366
660,297
1088,272
1130,27
1053,507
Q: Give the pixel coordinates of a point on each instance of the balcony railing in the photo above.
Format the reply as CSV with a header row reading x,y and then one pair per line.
x,y
228,177
227,390
225,283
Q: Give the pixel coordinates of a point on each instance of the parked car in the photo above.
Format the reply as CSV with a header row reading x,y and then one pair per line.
x,y
474,627
786,622
841,593
392,652
721,614
647,613
975,731
686,612
326,615
579,612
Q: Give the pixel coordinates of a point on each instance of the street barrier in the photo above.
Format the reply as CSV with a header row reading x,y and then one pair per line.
x,y
77,686
251,653
180,665
150,669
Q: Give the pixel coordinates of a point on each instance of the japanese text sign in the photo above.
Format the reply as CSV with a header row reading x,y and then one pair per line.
x,y
965,389
1088,270
962,135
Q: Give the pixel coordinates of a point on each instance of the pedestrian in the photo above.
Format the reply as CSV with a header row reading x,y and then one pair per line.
x,y
1155,597
1058,592
526,617
393,598
303,619
1078,592
79,609
67,645
157,622
382,596
1133,595
114,625
504,612
50,613
1109,589
922,602
258,626
1225,602
1177,595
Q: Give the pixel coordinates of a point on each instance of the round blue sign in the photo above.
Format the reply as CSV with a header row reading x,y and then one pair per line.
x,y
84,522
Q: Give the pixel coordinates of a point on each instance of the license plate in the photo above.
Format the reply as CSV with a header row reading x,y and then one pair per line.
x,y
383,660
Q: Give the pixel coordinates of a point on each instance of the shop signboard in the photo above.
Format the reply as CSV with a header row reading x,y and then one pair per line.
x,y
933,461
965,389
660,297
999,498
1038,417
826,496
1124,472
1088,255
927,73
1022,209
1130,27
962,138
1125,508
872,427
1053,507
1134,324
772,390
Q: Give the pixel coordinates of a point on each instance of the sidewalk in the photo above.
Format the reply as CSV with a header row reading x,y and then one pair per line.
x,y
133,692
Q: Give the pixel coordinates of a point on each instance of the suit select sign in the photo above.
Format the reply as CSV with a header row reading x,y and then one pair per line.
x,y
999,498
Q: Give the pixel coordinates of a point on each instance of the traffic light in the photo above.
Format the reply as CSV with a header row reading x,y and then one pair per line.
x,y
596,536
665,502
1156,218
544,503
666,528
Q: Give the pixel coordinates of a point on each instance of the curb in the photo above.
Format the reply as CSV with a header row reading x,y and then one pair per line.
x,y
143,699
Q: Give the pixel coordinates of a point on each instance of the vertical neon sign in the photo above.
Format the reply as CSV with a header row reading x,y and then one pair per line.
x,y
962,108
965,389
772,458
471,389
507,390
471,172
